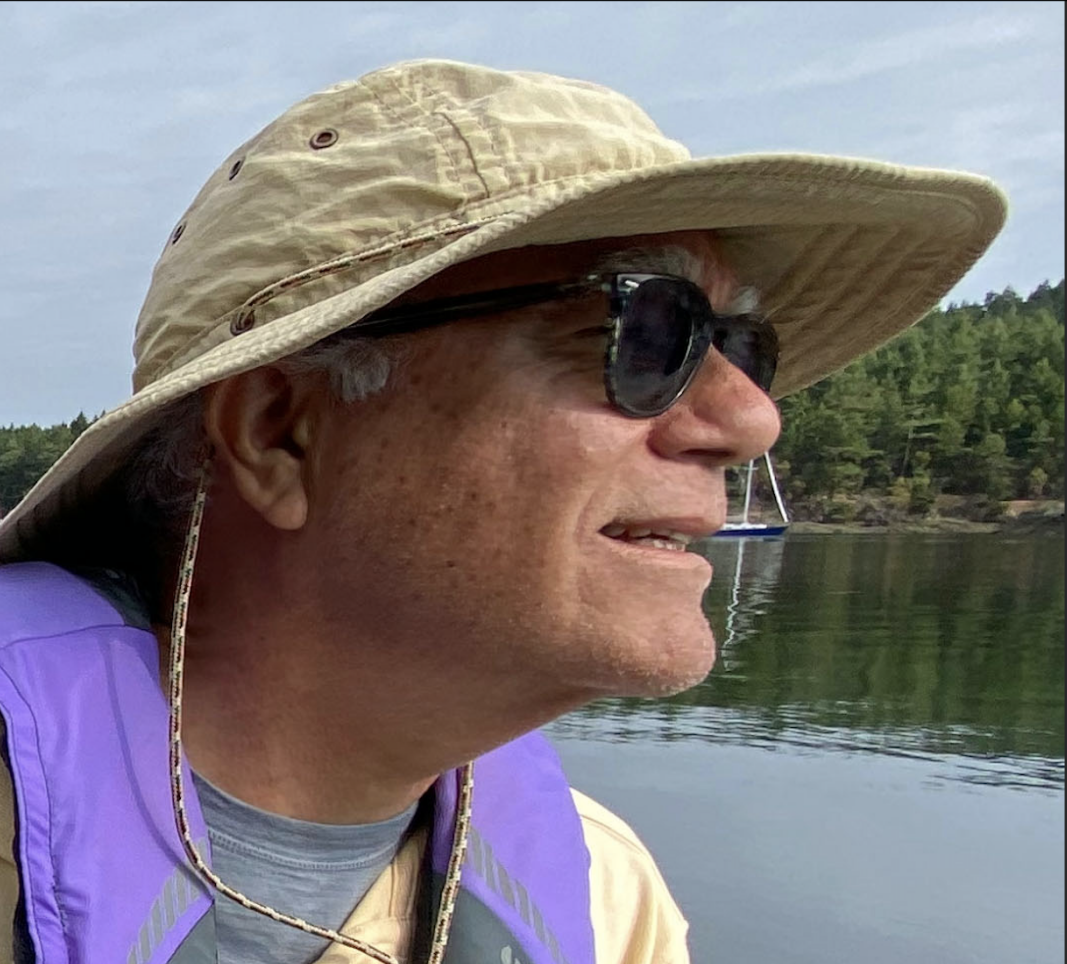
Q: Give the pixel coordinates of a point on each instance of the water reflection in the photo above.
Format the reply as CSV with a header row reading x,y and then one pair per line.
x,y
752,586
946,648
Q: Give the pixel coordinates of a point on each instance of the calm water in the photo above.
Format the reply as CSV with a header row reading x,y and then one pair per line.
x,y
874,771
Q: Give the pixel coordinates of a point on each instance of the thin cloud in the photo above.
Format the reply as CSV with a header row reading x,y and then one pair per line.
x,y
858,60
914,47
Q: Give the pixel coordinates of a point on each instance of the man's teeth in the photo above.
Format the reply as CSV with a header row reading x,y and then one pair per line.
x,y
656,538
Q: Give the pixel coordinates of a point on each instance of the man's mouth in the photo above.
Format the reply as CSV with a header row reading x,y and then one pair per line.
x,y
648,537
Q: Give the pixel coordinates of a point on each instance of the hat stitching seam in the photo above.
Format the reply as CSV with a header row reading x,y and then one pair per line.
x,y
275,335
399,118
335,266
437,110
509,170
416,107
470,152
427,233
343,261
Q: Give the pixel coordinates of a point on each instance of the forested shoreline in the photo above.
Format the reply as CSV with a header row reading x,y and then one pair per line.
x,y
966,408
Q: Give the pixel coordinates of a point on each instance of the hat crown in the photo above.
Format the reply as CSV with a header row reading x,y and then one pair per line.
x,y
420,148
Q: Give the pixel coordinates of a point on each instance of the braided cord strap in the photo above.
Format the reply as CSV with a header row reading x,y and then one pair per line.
x,y
445,912
450,892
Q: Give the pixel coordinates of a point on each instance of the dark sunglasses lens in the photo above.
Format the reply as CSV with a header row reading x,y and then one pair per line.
x,y
751,346
654,358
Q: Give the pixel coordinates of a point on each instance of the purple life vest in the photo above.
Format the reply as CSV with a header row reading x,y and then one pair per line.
x,y
103,874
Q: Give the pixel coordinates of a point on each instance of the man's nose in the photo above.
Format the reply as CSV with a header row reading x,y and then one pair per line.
x,y
723,418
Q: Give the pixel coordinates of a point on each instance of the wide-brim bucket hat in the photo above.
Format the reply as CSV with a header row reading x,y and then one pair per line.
x,y
361,192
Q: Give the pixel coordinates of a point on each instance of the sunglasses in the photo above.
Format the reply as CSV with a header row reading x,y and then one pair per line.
x,y
659,329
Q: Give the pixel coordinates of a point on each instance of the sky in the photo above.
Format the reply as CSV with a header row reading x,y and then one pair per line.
x,y
112,115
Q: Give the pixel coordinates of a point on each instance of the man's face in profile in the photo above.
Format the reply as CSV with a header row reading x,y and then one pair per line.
x,y
494,514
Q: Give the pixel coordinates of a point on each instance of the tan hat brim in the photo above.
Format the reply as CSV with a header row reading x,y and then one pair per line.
x,y
845,252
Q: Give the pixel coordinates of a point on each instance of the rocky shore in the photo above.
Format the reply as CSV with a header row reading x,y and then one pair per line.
x,y
949,514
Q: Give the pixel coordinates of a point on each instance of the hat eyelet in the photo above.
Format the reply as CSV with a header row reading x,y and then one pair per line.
x,y
236,168
243,322
177,233
323,139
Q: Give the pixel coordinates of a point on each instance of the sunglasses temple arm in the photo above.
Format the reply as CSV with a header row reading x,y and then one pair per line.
x,y
431,313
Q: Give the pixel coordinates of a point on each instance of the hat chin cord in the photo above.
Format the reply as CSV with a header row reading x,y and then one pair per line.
x,y
446,910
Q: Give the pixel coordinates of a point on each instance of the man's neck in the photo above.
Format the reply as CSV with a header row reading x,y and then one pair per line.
x,y
328,709
293,736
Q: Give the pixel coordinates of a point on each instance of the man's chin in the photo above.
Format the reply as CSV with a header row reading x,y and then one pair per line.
x,y
671,687
687,667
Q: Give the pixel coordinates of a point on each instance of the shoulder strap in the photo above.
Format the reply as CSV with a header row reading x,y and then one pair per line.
x,y
101,866
524,894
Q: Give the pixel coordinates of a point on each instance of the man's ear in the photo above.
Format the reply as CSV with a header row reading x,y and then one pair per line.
x,y
260,425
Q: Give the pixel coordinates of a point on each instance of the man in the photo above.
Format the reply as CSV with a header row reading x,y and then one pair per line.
x,y
436,380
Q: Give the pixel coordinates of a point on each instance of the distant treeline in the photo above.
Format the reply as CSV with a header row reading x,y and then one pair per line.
x,y
969,402
27,451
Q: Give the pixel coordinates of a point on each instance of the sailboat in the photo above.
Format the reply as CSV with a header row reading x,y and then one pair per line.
x,y
745,526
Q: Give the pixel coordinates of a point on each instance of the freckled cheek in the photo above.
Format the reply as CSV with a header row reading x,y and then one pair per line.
x,y
490,470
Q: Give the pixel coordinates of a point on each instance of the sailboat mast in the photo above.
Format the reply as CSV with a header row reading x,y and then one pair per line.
x,y
748,489
774,486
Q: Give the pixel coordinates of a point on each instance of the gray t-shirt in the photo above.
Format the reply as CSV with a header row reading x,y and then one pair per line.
x,y
311,870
